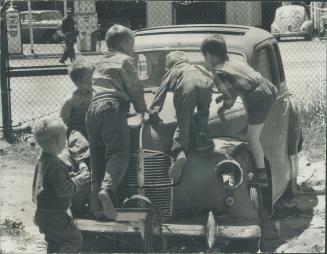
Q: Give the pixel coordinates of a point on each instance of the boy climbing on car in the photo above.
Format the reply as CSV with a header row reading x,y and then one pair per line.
x,y
53,187
192,87
116,85
235,78
73,112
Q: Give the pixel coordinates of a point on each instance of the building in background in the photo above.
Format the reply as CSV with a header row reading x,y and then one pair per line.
x,y
141,14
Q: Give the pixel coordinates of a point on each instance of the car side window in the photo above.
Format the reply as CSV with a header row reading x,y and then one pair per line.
x,y
263,63
279,62
142,67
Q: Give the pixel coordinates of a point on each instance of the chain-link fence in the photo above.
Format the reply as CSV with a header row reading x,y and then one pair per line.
x,y
42,93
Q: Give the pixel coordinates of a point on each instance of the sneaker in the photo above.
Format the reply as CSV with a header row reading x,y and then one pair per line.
x,y
258,177
176,169
107,205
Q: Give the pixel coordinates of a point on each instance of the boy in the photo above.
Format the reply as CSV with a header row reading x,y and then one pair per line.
x,y
74,110
192,87
53,188
115,84
235,78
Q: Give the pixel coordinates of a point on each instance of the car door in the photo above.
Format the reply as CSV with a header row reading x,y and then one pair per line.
x,y
274,136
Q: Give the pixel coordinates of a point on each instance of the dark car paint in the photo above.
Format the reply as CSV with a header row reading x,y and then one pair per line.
x,y
198,190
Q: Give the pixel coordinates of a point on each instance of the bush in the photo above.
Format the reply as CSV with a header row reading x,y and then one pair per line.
x,y
10,227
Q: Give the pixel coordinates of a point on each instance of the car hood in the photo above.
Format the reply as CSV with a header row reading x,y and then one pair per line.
x,y
233,124
290,17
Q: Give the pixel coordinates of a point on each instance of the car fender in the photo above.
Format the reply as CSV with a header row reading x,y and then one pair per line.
x,y
199,190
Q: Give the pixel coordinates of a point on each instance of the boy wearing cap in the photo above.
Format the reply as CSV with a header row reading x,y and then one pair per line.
x,y
192,88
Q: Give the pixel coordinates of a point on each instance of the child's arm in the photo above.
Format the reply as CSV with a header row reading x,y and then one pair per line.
x,y
133,86
227,89
160,97
66,111
65,186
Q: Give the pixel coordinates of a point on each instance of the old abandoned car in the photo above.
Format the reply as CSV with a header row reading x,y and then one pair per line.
x,y
292,21
46,26
213,200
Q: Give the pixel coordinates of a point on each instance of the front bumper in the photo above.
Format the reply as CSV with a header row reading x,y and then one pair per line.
x,y
135,226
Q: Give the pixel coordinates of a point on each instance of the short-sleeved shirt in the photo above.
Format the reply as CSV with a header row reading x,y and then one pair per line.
x,y
235,78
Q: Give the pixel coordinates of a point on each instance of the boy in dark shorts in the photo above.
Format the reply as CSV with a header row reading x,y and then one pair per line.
x,y
235,78
53,188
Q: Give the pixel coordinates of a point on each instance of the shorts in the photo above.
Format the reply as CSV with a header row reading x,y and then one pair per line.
x,y
259,102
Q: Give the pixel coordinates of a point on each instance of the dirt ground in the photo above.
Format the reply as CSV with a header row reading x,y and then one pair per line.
x,y
302,228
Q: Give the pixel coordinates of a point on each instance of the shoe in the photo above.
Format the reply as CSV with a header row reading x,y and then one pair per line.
x,y
108,207
176,169
61,61
258,177
203,142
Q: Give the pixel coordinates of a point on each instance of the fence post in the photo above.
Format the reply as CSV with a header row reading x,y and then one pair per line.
x,y
5,87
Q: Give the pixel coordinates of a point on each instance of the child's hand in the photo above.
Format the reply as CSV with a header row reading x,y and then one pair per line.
x,y
220,111
154,118
83,178
219,98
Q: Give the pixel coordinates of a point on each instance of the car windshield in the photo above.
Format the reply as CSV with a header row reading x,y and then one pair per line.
x,y
152,65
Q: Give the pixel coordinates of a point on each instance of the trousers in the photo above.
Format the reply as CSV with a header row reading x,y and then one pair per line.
x,y
61,233
109,139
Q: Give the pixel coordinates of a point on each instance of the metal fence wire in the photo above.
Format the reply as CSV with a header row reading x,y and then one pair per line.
x,y
41,93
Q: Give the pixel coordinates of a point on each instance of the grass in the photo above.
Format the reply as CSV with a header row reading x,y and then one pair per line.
x,y
10,227
313,119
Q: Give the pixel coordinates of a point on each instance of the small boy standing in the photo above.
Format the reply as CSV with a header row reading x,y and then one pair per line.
x,y
235,78
74,110
192,88
53,189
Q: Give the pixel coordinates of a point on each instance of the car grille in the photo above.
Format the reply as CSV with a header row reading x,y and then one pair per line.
x,y
157,184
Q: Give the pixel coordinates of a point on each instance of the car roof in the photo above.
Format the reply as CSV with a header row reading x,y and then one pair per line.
x,y
238,37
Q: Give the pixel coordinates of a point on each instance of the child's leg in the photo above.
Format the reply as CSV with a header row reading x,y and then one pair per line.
x,y
254,132
259,174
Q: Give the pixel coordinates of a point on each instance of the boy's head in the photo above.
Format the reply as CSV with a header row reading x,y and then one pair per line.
x,y
81,74
175,57
50,134
120,38
214,49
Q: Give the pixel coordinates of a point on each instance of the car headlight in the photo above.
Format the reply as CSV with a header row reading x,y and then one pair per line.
x,y
229,174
